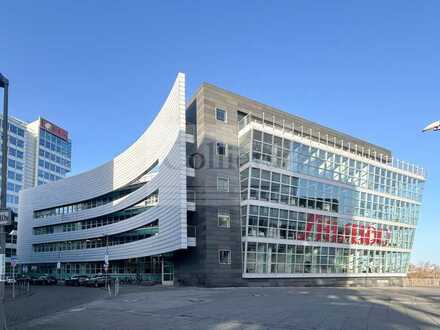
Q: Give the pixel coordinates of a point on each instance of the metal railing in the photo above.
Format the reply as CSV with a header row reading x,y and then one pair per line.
x,y
21,287
316,136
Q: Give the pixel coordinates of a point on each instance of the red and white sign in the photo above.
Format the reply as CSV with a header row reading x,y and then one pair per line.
x,y
54,129
327,231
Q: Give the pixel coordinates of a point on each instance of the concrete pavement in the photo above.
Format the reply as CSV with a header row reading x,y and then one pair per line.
x,y
250,309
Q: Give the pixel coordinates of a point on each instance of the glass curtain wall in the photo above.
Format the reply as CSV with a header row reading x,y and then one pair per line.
x,y
354,218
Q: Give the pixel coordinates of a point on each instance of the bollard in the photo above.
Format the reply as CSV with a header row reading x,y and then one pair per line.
x,y
116,287
13,281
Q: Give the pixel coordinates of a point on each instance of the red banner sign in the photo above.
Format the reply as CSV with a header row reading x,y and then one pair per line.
x,y
326,230
54,129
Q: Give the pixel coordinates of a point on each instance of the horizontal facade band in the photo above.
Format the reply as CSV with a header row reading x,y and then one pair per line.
x,y
254,239
324,213
253,163
323,275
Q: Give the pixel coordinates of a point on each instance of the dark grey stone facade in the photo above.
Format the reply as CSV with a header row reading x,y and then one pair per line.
x,y
200,265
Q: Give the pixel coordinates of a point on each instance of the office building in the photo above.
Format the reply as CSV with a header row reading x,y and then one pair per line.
x,y
38,152
226,191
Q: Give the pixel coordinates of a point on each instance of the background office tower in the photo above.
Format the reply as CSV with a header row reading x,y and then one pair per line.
x,y
227,191
38,152
53,151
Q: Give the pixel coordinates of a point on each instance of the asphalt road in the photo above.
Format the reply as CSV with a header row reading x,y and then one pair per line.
x,y
46,300
228,308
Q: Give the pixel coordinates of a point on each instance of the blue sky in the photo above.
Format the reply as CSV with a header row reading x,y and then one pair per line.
x,y
102,69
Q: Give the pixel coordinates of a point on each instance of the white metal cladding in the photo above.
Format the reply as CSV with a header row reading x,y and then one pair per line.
x,y
165,141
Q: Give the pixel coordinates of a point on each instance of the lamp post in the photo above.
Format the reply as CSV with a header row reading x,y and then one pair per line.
x,y
13,265
4,83
59,266
435,126
106,262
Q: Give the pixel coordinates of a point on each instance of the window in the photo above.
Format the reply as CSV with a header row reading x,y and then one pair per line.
x,y
220,114
224,257
20,132
222,184
221,149
13,128
224,218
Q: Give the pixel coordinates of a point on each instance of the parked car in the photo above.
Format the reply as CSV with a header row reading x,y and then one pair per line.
x,y
77,280
23,278
96,281
44,280
50,280
35,280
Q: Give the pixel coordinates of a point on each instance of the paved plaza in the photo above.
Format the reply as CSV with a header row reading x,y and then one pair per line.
x,y
227,308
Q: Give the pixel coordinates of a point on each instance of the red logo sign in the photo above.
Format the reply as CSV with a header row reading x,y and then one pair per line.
x,y
54,129
326,230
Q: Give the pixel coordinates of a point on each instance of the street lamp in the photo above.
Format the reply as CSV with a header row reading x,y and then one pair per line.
x,y
4,83
435,126
106,262
13,264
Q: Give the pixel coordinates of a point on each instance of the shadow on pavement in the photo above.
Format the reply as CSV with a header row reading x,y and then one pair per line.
x,y
239,308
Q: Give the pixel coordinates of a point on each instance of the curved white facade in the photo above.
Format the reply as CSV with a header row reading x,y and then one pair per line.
x,y
164,142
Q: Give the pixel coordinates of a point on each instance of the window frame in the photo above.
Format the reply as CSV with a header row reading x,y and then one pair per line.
x,y
229,259
226,147
220,177
217,110
223,213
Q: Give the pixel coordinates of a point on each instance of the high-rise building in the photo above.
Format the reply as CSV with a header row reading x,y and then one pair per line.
x,y
227,191
38,152
53,151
